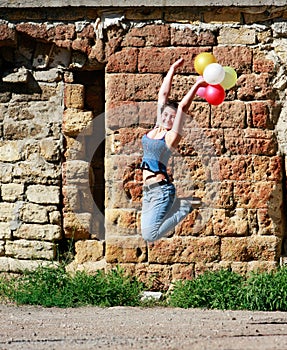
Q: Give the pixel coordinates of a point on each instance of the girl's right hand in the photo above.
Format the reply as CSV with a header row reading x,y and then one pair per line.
x,y
177,63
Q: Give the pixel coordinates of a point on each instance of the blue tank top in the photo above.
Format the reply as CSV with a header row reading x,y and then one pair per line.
x,y
155,155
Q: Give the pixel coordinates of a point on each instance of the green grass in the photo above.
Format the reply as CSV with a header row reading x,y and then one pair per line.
x,y
223,289
55,287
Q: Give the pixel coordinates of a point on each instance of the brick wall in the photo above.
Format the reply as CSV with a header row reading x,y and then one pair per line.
x,y
56,75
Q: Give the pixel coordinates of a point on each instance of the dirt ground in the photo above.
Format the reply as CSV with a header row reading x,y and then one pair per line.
x,y
27,327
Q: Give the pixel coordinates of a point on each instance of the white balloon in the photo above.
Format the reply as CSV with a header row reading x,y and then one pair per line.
x,y
214,74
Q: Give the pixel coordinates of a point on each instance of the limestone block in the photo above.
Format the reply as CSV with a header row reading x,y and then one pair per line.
x,y
266,248
121,221
55,217
11,192
43,194
240,36
38,232
49,76
6,171
8,264
75,122
125,250
20,76
76,172
227,223
268,223
74,96
37,171
5,230
182,272
89,251
185,250
184,35
23,249
77,225
50,149
10,151
35,213
7,211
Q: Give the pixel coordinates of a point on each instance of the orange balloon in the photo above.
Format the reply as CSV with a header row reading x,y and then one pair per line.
x,y
202,60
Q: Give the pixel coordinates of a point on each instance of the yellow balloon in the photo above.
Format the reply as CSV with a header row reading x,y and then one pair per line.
x,y
202,60
230,78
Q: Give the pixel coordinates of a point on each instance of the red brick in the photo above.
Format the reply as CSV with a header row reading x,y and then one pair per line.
x,y
237,57
228,115
158,60
123,61
149,35
133,87
259,115
250,141
254,87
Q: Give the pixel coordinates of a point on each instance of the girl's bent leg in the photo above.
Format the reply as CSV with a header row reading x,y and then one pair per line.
x,y
156,204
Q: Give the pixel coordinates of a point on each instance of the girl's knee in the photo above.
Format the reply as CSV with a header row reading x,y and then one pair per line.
x,y
149,235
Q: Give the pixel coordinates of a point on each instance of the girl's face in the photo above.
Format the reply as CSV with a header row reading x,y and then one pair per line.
x,y
167,117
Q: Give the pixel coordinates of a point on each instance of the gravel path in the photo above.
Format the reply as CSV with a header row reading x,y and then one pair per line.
x,y
26,327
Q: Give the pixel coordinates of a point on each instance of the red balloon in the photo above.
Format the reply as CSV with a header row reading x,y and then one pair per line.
x,y
214,94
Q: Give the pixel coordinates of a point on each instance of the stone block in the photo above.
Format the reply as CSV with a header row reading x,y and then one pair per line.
x,y
158,60
228,114
269,224
230,223
132,87
76,122
6,171
235,168
185,35
268,168
237,36
74,96
251,141
10,151
255,195
5,231
184,250
76,172
43,194
222,15
148,35
30,212
254,87
77,225
89,251
124,61
7,211
12,192
38,232
24,249
263,248
120,221
50,149
125,250
237,57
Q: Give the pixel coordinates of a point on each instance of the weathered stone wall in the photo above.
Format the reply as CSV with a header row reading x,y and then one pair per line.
x,y
58,67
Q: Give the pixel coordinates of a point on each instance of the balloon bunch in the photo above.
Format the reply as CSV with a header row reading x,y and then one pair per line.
x,y
218,78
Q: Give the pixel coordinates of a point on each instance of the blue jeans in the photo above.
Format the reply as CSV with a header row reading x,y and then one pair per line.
x,y
161,211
